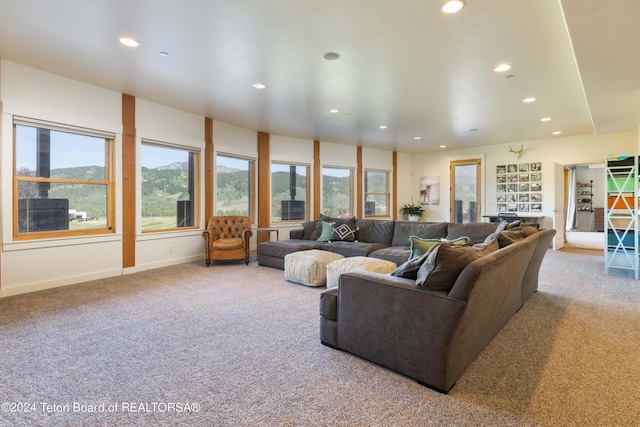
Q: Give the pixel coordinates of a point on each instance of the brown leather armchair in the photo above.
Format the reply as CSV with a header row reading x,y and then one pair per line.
x,y
227,238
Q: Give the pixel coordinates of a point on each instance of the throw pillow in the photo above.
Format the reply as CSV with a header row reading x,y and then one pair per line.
x,y
345,232
508,237
327,230
445,263
409,269
420,246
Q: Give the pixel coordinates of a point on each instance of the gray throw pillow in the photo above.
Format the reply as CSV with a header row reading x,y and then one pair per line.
x,y
445,263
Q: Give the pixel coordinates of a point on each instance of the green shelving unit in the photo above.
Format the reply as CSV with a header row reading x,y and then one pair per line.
x,y
621,213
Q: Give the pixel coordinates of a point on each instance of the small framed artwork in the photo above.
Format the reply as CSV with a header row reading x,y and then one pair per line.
x,y
536,186
523,167
523,207
501,188
501,198
523,187
512,188
512,197
536,197
536,166
501,178
502,207
523,197
512,207
536,207
512,168
501,169
524,177
536,176
512,177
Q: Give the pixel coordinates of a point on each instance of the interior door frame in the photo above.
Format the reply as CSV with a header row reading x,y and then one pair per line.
x,y
452,165
560,203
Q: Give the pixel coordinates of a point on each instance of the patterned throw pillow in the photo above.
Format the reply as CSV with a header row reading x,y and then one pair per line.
x,y
344,232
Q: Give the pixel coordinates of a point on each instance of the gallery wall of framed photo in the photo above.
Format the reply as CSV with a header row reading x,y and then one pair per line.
x,y
519,187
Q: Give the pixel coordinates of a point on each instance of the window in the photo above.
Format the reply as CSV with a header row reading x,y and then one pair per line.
x,y
235,186
289,192
337,191
376,193
63,184
169,187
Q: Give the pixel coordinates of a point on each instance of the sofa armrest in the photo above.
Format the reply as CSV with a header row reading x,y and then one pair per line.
x,y
390,321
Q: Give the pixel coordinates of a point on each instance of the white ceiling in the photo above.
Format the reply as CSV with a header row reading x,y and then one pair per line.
x,y
403,64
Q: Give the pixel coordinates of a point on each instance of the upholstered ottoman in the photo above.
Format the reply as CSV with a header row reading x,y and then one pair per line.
x,y
356,263
308,267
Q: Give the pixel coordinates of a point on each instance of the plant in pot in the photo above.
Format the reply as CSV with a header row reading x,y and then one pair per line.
x,y
413,211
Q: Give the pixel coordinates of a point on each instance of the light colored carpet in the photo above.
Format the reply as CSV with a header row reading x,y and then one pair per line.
x,y
240,346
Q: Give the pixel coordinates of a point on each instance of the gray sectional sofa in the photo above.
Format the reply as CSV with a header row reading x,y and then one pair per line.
x,y
384,239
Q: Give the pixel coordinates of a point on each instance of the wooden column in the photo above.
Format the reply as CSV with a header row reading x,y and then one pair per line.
x,y
208,170
394,194
359,178
128,181
264,184
317,172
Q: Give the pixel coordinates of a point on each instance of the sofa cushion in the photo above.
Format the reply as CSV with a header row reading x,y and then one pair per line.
x,y
317,230
281,248
426,230
307,229
349,249
477,231
419,246
375,231
508,237
397,254
409,269
345,232
444,263
329,304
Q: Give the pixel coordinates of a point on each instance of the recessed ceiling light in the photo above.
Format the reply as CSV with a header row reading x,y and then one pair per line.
x,y
331,56
417,138
382,126
443,146
334,110
453,6
473,130
259,85
545,119
127,41
164,54
527,100
502,67
556,132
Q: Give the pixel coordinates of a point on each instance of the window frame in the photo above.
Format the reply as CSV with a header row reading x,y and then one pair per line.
x,y
196,186
307,207
387,193
252,183
351,186
108,181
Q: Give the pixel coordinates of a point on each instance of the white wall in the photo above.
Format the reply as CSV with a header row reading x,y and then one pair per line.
x,y
35,265
568,150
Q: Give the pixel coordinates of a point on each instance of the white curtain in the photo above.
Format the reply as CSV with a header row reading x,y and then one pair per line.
x,y
571,202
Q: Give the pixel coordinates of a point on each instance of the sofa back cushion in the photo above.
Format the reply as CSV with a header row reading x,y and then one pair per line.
x,y
425,230
307,229
477,231
445,262
317,229
375,231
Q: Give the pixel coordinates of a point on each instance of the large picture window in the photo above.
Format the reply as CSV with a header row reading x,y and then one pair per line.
x,y
376,193
63,182
337,192
235,186
289,192
169,187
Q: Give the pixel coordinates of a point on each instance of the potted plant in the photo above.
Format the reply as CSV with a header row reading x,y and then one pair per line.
x,y
412,210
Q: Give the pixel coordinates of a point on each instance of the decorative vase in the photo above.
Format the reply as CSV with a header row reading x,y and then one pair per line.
x,y
413,217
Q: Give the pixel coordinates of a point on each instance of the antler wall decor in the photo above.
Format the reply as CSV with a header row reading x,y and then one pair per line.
x,y
518,153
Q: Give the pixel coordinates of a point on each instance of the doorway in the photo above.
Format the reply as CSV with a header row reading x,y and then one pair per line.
x,y
585,206
465,191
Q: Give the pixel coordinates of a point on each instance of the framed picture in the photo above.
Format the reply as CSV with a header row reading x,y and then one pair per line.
x,y
501,188
512,197
512,188
523,197
430,190
523,167
512,177
502,207
523,187
536,197
512,207
536,176
536,166
536,207
501,198
536,186
523,207
501,169
501,178
512,168
524,177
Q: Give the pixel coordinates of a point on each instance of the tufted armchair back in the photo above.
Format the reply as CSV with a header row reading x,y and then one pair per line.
x,y
227,238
